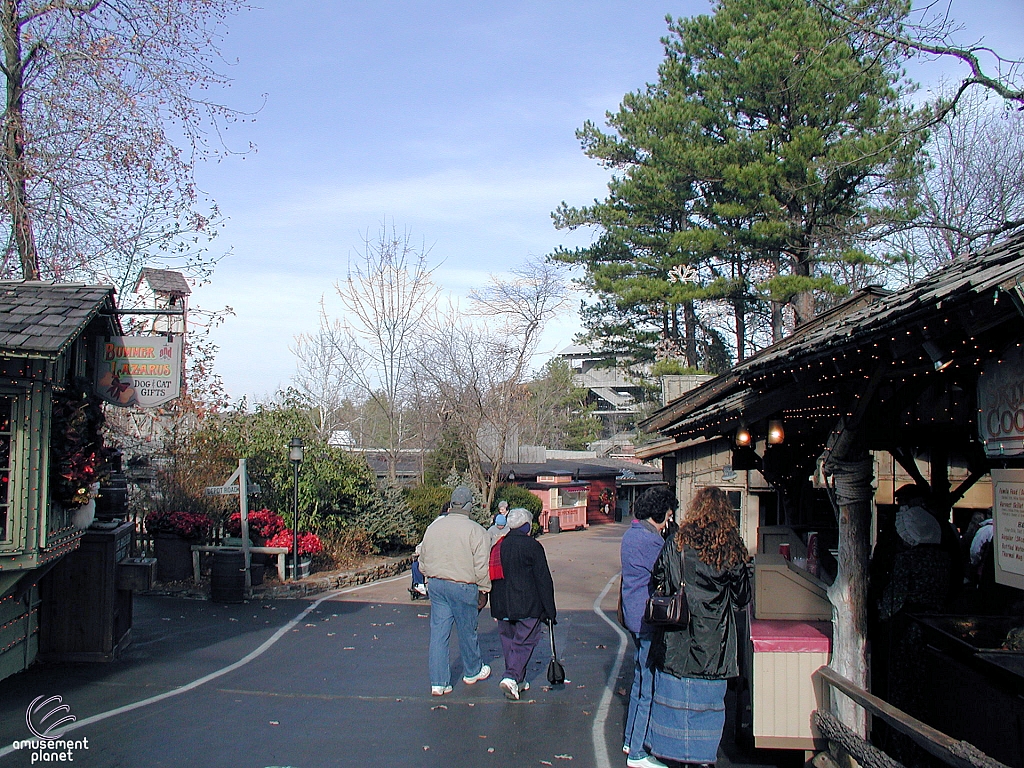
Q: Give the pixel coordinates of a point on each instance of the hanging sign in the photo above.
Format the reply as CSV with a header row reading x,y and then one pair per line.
x,y
1008,526
1001,405
138,370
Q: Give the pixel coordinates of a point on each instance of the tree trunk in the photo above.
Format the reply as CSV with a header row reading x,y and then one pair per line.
x,y
690,324
14,144
848,593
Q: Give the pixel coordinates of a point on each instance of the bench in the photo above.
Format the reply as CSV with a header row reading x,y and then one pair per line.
x,y
281,553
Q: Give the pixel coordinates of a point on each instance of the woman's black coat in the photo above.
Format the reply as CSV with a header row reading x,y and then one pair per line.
x,y
707,648
526,591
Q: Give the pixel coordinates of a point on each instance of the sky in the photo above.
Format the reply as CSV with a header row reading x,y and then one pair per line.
x,y
452,120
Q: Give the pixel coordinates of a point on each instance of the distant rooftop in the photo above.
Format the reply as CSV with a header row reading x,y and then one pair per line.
x,y
164,281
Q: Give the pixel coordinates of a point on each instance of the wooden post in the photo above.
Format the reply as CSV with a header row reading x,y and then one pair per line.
x,y
243,501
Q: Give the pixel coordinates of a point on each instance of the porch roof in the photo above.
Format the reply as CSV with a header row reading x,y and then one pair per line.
x,y
40,319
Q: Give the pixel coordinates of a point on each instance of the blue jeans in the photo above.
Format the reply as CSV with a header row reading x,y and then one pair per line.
x,y
640,698
452,603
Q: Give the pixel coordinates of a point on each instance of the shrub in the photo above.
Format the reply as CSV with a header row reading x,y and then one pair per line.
x,y
388,521
426,502
194,526
262,523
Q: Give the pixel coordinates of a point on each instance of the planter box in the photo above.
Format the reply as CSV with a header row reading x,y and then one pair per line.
x,y
136,573
304,567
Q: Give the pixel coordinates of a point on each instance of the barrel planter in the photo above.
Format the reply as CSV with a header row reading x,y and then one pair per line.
x,y
173,557
227,576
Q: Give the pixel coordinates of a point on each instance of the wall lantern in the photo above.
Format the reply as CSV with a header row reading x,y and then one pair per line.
x,y
743,438
776,434
935,354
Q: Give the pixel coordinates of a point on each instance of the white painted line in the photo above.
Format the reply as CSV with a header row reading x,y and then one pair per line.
x,y
251,656
597,733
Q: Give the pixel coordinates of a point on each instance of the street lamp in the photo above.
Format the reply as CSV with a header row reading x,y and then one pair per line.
x,y
295,457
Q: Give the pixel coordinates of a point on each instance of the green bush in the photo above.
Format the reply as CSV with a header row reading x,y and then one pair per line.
x,y
517,496
426,502
388,521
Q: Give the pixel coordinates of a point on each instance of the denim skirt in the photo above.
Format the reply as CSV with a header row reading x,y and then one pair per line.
x,y
687,718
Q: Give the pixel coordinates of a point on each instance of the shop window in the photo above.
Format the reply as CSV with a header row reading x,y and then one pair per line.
x,y
5,467
736,502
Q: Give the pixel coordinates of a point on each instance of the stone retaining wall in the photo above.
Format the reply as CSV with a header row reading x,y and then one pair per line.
x,y
317,582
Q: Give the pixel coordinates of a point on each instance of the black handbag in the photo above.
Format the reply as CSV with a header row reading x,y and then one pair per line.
x,y
669,611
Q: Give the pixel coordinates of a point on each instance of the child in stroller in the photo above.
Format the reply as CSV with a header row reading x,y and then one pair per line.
x,y
418,589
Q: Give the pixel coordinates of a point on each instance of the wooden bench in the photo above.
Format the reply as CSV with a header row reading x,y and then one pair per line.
x,y
281,553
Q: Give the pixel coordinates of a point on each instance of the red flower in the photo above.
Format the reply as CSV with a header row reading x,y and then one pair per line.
x,y
309,543
262,522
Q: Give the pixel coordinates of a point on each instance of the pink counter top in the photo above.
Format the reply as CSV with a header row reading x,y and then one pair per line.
x,y
791,636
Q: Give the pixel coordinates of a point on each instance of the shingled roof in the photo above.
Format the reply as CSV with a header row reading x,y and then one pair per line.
x,y
40,319
164,281
961,295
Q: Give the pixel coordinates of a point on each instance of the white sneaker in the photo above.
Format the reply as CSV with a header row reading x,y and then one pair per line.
x,y
524,686
650,761
511,688
483,674
440,690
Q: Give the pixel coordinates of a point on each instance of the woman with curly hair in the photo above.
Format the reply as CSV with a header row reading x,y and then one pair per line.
x,y
708,559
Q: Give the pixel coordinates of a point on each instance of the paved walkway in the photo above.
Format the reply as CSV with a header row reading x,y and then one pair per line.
x,y
340,679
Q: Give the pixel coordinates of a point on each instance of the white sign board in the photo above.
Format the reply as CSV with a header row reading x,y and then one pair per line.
x,y
1001,404
230,490
138,370
1008,521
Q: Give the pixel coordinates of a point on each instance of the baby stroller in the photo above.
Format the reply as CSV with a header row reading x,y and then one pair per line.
x,y
418,588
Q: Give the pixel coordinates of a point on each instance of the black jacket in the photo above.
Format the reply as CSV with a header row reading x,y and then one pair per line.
x,y
526,591
707,648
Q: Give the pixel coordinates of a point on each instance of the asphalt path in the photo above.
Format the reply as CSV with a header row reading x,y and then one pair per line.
x,y
340,679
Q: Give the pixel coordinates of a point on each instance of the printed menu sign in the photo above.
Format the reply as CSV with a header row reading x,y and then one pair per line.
x,y
1008,520
138,370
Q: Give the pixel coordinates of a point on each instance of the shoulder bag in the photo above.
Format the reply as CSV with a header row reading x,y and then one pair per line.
x,y
670,611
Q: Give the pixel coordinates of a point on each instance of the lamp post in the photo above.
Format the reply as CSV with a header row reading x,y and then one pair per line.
x,y
295,457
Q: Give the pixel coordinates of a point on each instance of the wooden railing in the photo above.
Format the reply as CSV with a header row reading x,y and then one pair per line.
x,y
959,754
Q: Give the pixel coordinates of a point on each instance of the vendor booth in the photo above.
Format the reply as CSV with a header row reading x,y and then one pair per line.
x,y
51,452
818,435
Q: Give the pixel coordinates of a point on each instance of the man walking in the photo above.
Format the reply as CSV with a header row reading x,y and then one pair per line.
x,y
454,558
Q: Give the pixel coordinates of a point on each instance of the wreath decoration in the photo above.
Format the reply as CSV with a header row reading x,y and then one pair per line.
x,y
78,457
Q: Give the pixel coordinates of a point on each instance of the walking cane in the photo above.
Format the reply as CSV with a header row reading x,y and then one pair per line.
x,y
556,674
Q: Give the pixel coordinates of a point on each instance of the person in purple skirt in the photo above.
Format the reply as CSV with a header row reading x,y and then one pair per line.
x,y
522,598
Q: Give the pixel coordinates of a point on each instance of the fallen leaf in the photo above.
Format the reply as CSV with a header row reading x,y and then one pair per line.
x,y
545,762
563,757
600,646
439,706
349,648
490,749
425,747
275,722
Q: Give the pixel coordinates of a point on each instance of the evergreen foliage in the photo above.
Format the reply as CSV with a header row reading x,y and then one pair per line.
x,y
426,502
771,142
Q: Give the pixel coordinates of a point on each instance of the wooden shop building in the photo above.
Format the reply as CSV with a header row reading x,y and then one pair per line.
x,y
812,437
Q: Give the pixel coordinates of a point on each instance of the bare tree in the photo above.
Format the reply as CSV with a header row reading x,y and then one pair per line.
x,y
929,31
479,368
107,109
388,297
322,377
